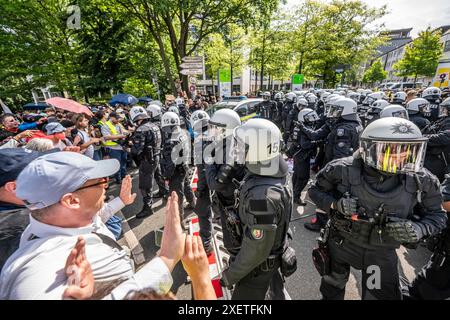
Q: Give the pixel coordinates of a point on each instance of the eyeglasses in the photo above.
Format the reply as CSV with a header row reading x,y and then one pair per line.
x,y
104,181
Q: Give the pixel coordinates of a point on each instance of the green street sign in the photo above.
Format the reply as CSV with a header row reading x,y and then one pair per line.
x,y
298,78
224,75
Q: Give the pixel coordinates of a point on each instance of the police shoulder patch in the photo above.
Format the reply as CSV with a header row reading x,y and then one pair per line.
x,y
257,234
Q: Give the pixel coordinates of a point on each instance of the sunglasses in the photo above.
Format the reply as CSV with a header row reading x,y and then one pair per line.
x,y
104,182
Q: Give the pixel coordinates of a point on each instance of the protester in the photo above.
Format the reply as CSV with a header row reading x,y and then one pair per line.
x,y
13,213
11,127
194,260
85,142
113,134
39,144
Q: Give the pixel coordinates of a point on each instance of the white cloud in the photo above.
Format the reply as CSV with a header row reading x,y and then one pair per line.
x,y
416,14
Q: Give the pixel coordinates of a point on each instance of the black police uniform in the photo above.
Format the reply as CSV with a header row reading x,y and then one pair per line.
x,y
265,207
418,119
267,110
341,140
301,150
362,242
163,189
438,148
177,144
342,137
279,118
434,107
290,121
433,281
287,107
223,180
146,151
371,116
203,204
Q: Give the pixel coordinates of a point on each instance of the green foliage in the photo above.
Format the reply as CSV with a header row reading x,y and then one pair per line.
x,y
422,57
375,73
139,87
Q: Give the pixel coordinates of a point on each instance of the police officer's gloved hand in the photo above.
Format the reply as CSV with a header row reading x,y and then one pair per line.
x,y
403,230
346,206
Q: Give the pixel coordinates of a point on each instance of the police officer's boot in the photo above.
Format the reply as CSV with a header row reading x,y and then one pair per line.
x,y
145,212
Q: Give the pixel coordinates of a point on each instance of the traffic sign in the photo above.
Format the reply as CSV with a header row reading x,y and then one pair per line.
x,y
192,88
193,80
195,59
189,72
443,76
191,65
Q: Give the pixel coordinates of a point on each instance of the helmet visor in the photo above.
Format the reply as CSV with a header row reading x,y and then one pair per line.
x,y
443,111
311,117
335,111
394,157
401,114
425,108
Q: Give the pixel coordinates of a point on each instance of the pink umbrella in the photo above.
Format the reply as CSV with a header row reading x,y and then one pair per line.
x,y
69,105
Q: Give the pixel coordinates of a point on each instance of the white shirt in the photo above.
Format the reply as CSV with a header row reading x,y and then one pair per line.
x,y
36,269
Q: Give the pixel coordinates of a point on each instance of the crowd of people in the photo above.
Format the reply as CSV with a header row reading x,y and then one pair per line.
x,y
378,161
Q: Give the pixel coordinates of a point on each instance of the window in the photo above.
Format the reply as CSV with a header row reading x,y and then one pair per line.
x,y
447,46
242,110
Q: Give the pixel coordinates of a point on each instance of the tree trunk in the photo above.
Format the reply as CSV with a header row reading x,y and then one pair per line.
x,y
300,67
415,80
165,61
231,65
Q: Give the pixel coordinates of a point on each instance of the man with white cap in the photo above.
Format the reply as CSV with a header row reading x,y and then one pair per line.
x,y
65,193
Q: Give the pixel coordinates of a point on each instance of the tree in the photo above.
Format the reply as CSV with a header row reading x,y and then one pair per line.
x,y
37,48
186,24
375,73
215,53
337,34
422,56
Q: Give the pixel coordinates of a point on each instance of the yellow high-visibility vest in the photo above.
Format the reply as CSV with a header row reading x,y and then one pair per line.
x,y
113,130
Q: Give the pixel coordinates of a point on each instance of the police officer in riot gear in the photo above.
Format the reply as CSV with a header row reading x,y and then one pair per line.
x,y
302,149
154,111
278,97
341,133
417,108
312,100
265,207
266,109
301,104
433,281
222,176
199,122
146,149
377,199
433,96
290,100
399,98
394,111
176,153
372,97
374,111
438,147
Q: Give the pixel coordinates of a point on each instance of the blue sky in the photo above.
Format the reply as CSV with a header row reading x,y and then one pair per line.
x,y
418,14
